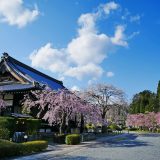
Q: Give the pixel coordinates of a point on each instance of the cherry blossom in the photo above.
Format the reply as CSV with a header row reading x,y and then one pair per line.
x,y
150,120
61,106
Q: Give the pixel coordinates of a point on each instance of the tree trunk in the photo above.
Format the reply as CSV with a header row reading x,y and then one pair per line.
x,y
62,125
103,117
82,124
103,113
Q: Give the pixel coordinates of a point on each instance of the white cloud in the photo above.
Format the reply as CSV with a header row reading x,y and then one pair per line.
x,y
135,18
110,74
108,7
87,23
119,37
14,13
89,70
84,54
89,48
49,58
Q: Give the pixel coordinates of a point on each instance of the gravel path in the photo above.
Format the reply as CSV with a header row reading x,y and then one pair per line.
x,y
121,147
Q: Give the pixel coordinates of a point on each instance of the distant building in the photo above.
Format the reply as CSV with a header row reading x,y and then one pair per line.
x,y
17,79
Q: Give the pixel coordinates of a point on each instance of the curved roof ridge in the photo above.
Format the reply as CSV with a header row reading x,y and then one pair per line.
x,y
34,70
30,74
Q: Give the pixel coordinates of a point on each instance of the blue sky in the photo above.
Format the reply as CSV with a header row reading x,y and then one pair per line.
x,y
86,41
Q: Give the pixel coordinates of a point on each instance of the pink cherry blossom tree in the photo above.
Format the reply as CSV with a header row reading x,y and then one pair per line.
x,y
148,120
61,106
131,120
158,119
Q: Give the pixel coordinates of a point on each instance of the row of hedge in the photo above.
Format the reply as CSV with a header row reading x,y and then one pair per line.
x,y
8,148
30,125
70,139
73,139
4,133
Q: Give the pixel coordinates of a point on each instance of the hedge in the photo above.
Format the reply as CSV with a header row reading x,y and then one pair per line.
x,y
9,123
4,133
8,148
30,126
60,138
113,126
34,146
73,139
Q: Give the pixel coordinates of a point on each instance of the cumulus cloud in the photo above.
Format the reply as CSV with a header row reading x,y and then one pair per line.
x,y
84,54
50,58
110,74
89,47
87,71
13,12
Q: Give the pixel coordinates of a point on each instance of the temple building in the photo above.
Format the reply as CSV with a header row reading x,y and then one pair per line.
x,y
17,79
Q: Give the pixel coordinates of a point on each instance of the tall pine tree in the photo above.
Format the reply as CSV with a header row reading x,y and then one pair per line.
x,y
158,97
146,101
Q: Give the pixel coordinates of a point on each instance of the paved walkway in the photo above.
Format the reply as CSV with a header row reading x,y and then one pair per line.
x,y
120,147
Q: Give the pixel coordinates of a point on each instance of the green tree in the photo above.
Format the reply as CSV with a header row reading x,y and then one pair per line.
x,y
158,90
158,97
144,102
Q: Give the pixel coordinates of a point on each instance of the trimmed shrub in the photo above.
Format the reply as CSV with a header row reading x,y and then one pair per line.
x,y
60,138
113,127
32,126
4,133
73,139
34,146
6,122
8,148
9,123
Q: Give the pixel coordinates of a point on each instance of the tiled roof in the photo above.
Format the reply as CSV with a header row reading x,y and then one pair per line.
x,y
29,74
12,87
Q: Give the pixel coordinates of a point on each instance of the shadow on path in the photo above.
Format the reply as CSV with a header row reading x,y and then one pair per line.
x,y
129,140
149,135
77,158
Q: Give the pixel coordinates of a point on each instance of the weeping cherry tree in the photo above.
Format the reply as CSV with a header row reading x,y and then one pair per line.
x,y
58,108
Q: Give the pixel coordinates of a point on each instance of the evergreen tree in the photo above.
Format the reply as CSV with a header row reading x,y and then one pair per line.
x,y
143,102
158,97
158,90
146,101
